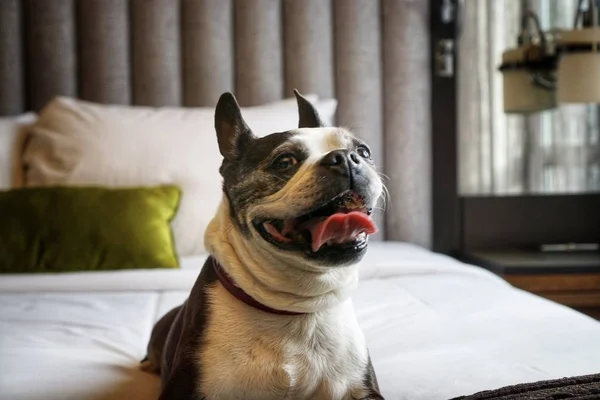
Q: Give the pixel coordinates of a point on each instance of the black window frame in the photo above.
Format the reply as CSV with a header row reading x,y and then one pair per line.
x,y
463,224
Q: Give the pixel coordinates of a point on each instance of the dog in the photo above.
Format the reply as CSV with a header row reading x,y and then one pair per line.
x,y
270,316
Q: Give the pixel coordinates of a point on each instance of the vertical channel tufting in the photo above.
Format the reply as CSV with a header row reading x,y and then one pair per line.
x,y
358,74
104,51
308,34
51,50
155,52
12,88
207,50
258,51
407,120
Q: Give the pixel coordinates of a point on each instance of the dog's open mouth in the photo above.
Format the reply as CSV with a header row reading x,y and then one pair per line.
x,y
343,221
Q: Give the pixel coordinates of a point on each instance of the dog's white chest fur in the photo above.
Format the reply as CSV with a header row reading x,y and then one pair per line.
x,y
249,354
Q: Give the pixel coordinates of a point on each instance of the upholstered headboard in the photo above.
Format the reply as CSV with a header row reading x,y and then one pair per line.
x,y
372,55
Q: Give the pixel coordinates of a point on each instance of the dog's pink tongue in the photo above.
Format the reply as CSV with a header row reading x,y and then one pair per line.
x,y
341,228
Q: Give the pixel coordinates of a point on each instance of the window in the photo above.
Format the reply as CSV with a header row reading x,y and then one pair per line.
x,y
550,152
506,180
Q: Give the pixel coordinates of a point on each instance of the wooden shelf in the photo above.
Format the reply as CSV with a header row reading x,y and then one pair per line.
x,y
550,282
571,279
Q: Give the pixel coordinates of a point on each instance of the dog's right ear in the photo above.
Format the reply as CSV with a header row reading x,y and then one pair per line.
x,y
232,132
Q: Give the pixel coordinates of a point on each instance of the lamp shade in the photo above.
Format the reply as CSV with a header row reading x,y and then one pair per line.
x,y
579,66
521,96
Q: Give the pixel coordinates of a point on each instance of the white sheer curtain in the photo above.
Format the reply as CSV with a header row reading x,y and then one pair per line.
x,y
551,152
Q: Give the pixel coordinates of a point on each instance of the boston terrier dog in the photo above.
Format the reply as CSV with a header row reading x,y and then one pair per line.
x,y
270,316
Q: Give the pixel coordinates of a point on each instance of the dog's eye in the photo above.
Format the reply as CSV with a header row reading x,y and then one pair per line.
x,y
364,152
284,161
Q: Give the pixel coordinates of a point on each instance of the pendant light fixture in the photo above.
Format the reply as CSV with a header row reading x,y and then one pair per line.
x,y
556,66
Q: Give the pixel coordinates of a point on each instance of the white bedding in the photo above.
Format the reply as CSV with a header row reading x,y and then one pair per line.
x,y
436,329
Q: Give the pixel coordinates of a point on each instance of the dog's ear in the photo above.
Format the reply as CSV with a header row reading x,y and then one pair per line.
x,y
232,132
308,115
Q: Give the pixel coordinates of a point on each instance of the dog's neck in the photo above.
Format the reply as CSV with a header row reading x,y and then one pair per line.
x,y
276,279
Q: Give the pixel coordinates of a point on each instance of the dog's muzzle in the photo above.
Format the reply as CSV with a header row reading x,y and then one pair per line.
x,y
339,223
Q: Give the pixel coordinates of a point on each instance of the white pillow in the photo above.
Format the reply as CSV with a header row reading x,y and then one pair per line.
x,y
12,135
81,143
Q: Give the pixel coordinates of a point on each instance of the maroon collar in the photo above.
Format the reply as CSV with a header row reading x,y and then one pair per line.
x,y
242,296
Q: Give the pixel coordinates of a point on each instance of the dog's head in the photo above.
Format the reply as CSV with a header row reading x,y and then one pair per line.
x,y
308,192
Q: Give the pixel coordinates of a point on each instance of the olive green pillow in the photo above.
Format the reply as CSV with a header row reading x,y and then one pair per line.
x,y
59,229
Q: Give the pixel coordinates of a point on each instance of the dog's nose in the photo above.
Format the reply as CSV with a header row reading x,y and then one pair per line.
x,y
341,161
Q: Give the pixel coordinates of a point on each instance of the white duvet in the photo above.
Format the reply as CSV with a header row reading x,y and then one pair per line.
x,y
436,329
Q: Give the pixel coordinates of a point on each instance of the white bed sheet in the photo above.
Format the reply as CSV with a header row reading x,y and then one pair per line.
x,y
436,329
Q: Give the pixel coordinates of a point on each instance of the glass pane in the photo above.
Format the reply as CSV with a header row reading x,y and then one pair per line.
x,y
550,152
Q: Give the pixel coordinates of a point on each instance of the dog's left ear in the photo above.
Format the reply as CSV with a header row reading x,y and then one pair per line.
x,y
233,133
308,115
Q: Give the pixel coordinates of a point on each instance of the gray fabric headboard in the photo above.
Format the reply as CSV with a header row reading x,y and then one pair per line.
x,y
372,55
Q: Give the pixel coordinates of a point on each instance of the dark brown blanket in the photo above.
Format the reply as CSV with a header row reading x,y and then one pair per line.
x,y
580,387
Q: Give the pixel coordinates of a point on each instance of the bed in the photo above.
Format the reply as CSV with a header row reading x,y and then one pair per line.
x,y
436,329
117,112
